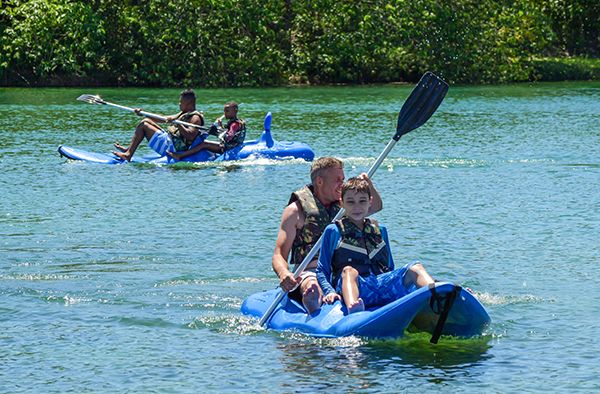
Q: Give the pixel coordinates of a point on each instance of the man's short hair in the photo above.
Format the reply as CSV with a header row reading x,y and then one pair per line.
x,y
188,94
356,184
322,164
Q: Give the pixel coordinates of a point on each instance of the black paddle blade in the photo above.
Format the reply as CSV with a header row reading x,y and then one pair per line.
x,y
425,98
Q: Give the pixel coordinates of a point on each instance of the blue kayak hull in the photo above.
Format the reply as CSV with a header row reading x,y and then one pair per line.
x,y
263,147
280,150
466,318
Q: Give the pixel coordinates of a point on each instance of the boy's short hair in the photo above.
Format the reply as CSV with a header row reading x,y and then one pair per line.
x,y
232,104
356,184
188,94
321,164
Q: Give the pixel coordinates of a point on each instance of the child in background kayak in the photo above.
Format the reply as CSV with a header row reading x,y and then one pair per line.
x,y
356,261
230,130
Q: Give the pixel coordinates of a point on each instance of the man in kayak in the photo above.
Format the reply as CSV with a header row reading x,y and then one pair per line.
x,y
230,130
355,260
309,211
174,138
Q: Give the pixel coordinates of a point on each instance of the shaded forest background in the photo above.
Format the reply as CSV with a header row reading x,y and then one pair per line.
x,y
280,42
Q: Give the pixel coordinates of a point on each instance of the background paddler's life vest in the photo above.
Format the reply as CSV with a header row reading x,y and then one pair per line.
x,y
178,141
363,250
237,139
317,217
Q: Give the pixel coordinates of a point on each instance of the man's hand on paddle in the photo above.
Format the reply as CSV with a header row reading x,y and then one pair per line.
x,y
288,282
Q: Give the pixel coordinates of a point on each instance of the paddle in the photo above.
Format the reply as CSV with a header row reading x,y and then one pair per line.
x,y
423,101
89,98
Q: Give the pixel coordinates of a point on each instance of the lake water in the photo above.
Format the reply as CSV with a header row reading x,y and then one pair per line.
x,y
129,278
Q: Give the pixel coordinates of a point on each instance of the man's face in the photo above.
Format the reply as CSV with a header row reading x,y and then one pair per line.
x,y
186,105
330,184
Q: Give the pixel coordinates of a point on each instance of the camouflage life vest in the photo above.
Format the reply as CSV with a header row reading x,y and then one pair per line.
x,y
179,142
238,137
363,250
316,218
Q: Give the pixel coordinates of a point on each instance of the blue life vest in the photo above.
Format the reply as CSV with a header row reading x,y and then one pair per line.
x,y
364,250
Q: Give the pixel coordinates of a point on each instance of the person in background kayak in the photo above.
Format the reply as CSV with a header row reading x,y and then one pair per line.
x,y
356,261
174,138
230,130
308,212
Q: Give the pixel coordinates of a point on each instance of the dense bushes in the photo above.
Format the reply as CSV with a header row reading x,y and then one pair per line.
x,y
275,42
560,69
46,41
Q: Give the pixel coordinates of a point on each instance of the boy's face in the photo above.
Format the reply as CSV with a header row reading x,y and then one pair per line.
x,y
230,112
356,204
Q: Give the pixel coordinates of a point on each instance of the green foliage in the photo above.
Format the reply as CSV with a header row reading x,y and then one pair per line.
x,y
336,41
472,41
561,69
577,25
48,40
275,42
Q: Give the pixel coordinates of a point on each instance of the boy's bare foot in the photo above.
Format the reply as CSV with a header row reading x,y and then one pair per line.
x,y
122,155
120,147
357,306
311,298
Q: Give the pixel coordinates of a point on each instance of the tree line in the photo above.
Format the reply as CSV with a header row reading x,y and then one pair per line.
x,y
278,42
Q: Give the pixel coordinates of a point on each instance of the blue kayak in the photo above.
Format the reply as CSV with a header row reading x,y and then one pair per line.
x,y
263,147
420,310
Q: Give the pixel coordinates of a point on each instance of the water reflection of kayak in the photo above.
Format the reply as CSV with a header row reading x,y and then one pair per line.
x,y
420,310
263,147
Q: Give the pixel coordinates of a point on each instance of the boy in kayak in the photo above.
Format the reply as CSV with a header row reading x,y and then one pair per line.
x,y
309,211
175,138
230,130
356,260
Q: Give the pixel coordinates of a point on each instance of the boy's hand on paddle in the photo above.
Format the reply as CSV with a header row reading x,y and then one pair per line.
x,y
364,176
331,297
213,130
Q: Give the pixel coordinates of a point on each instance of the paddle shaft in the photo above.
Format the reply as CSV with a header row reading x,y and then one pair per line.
x,y
153,116
309,257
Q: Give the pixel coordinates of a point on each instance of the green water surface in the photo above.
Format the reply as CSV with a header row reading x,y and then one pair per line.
x,y
129,278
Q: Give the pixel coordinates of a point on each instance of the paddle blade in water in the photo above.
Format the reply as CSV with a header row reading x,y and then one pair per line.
x,y
90,98
423,101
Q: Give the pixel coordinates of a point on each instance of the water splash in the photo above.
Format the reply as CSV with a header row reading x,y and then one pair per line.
x,y
227,324
498,299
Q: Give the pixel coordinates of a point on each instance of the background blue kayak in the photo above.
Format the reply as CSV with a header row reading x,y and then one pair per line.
x,y
263,147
